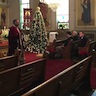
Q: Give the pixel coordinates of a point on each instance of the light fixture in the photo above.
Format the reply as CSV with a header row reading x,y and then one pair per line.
x,y
53,6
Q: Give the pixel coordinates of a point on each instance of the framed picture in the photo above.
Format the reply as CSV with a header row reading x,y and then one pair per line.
x,y
27,17
85,14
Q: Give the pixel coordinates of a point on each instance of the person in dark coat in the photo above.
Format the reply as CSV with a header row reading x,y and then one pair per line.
x,y
69,38
83,46
14,38
74,35
83,39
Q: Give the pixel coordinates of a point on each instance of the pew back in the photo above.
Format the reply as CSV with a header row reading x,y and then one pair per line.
x,y
64,82
93,72
8,62
92,46
16,79
67,52
70,50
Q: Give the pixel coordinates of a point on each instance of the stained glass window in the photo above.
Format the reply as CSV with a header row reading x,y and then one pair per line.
x,y
23,4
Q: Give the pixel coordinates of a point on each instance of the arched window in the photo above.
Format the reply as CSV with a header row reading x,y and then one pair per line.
x,y
23,4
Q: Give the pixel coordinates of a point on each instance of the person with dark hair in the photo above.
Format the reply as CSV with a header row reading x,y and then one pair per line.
x,y
69,38
14,37
84,45
83,39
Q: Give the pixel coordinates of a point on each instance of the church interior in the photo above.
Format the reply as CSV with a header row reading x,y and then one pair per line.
x,y
47,48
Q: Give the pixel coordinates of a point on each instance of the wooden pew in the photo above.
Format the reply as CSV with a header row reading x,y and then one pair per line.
x,y
17,79
93,71
66,51
70,50
52,47
92,46
88,49
64,82
12,61
74,48
8,62
84,51
59,42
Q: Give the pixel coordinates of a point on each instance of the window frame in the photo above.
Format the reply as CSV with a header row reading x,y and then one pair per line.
x,y
22,11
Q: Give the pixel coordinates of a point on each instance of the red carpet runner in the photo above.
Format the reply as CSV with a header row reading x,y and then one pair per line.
x,y
53,67
29,57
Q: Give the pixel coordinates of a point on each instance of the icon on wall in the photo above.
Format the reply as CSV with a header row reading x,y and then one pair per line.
x,y
27,17
3,18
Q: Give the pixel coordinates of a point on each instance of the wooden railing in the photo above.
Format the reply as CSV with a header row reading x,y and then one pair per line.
x,y
64,82
92,46
8,62
16,79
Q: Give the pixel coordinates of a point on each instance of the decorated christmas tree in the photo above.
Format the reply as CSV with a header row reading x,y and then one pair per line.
x,y
38,37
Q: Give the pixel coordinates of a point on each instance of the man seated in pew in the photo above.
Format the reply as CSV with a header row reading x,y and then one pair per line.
x,y
58,52
83,45
69,38
75,35
83,39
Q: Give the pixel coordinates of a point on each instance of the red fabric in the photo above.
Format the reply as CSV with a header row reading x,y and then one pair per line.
x,y
83,52
4,43
93,78
13,32
29,57
51,50
55,66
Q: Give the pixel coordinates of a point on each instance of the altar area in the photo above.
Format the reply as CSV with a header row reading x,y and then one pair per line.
x,y
4,42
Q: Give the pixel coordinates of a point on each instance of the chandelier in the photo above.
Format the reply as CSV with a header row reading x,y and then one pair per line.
x,y
53,6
